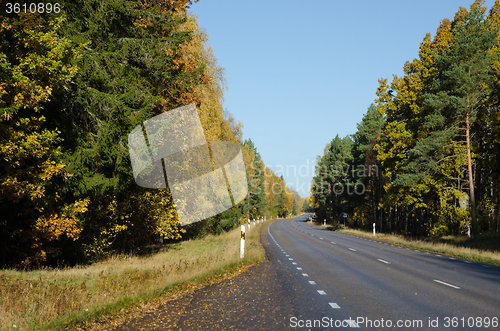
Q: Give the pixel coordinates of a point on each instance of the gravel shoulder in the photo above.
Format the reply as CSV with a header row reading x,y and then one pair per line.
x,y
257,299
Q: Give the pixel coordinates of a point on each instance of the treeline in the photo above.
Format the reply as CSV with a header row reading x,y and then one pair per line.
x,y
427,155
268,194
73,85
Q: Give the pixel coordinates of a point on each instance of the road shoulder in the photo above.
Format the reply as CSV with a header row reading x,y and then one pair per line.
x,y
253,300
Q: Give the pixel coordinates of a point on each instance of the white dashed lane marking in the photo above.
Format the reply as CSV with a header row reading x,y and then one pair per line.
x,y
384,261
312,282
351,323
352,249
321,292
334,305
440,282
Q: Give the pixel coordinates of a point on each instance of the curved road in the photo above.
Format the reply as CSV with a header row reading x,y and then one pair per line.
x,y
344,281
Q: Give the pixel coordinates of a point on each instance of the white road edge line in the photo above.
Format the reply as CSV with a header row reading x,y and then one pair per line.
x,y
384,261
352,249
440,282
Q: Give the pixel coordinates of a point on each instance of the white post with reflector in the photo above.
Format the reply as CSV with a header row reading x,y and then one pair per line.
x,y
242,242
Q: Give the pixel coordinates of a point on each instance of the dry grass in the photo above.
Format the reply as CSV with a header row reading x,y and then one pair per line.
x,y
53,299
456,246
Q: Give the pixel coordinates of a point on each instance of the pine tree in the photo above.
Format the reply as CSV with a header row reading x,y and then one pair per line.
x,y
459,93
369,172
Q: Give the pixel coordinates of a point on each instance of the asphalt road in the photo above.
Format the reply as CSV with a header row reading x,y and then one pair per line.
x,y
343,281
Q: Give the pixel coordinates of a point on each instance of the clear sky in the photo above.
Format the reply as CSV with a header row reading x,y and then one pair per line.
x,y
301,72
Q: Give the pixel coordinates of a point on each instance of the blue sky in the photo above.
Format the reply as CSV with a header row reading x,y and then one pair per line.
x,y
301,72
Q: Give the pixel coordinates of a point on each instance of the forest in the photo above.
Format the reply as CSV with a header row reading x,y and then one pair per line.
x,y
73,85
425,159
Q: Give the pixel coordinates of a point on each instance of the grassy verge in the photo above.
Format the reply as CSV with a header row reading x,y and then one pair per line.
x,y
484,248
82,296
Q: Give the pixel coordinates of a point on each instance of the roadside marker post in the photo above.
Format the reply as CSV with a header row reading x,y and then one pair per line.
x,y
324,222
374,229
242,242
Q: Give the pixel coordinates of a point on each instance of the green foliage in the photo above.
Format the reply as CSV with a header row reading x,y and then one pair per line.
x,y
35,63
73,86
333,183
432,134
438,117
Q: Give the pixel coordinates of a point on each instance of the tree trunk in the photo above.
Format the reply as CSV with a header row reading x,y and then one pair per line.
x,y
469,169
496,210
390,220
428,222
406,220
380,198
372,193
